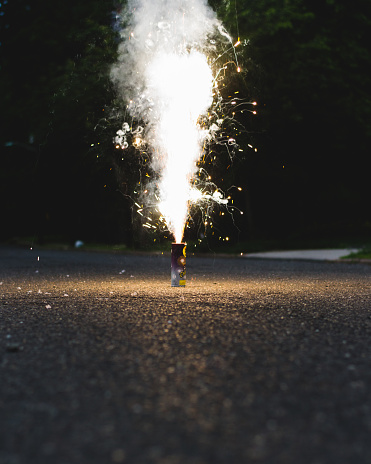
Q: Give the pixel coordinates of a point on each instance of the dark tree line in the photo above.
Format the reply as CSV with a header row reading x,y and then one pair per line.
x,y
55,58
305,62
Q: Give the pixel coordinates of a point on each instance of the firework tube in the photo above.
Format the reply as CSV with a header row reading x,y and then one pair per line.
x,y
178,264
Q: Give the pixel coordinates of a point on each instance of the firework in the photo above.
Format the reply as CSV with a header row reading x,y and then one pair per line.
x,y
178,264
170,68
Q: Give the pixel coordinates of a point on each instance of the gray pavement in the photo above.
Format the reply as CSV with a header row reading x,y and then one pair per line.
x,y
316,255
255,361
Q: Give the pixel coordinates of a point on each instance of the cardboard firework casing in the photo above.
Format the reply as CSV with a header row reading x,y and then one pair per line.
x,y
178,264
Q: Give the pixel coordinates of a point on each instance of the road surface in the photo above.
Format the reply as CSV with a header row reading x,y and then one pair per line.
x,y
255,361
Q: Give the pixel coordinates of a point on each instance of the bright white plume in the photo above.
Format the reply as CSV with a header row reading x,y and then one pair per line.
x,y
164,70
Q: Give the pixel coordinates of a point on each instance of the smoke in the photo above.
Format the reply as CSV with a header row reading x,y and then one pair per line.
x,y
159,26
166,74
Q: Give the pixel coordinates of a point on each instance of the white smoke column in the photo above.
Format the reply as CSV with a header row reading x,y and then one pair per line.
x,y
164,72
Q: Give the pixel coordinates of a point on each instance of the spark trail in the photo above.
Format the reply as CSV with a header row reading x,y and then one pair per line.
x,y
168,71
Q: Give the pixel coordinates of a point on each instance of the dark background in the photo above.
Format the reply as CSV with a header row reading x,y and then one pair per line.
x,y
304,62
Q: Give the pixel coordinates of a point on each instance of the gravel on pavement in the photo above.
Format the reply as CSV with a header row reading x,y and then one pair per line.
x,y
254,361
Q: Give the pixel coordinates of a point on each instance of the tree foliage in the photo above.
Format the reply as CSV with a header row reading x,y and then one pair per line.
x,y
306,62
55,86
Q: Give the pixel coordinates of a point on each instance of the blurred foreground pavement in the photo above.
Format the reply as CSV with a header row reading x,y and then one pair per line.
x,y
255,361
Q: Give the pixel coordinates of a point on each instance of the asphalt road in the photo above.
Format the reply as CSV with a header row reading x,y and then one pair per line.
x,y
255,361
